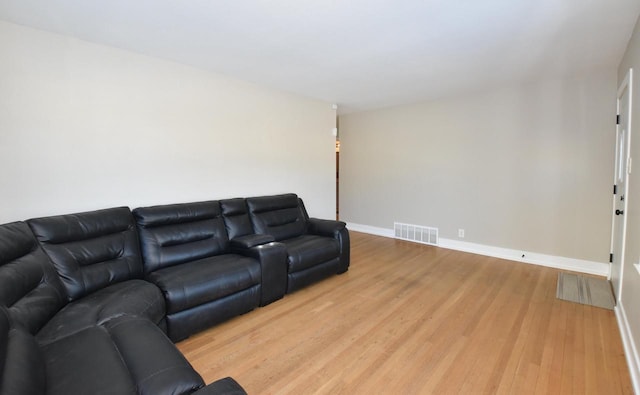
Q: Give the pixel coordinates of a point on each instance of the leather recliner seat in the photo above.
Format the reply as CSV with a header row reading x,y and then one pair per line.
x,y
316,248
97,257
188,255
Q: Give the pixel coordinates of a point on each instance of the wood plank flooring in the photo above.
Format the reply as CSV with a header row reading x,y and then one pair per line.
x,y
414,319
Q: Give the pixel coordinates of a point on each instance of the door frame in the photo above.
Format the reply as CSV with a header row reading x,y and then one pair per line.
x,y
627,84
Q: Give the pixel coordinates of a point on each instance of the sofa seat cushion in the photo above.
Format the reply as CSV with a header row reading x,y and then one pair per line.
x,y
84,363
308,250
134,297
154,362
127,355
194,283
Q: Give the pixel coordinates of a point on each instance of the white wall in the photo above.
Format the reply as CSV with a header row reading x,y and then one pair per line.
x,y
629,304
85,126
526,167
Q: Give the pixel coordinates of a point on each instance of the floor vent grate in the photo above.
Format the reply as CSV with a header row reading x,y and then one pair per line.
x,y
417,233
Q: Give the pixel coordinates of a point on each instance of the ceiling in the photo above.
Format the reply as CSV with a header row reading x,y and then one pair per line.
x,y
360,54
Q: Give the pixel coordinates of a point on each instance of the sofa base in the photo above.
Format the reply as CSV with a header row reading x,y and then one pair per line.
x,y
309,276
184,323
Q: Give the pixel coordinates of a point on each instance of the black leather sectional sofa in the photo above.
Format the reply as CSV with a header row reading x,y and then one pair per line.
x,y
91,302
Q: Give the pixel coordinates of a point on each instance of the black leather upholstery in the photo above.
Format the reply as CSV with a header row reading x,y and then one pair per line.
x,y
272,256
134,297
91,250
97,256
311,275
273,265
198,282
22,368
178,233
206,279
315,248
185,323
81,313
337,230
248,241
311,258
104,341
187,254
227,386
29,286
86,363
128,356
153,361
309,250
236,217
280,216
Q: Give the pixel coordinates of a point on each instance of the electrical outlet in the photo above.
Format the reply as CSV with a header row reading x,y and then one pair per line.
x,y
461,233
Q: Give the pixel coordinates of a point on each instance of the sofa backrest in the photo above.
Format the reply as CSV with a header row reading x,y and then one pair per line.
x,y
236,217
29,286
22,369
280,216
91,250
178,233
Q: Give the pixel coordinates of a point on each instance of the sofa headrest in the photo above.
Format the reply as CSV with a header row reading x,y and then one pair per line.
x,y
261,204
179,233
29,286
236,217
91,250
281,216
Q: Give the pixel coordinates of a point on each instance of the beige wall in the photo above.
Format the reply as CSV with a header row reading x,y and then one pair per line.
x,y
85,126
630,292
527,167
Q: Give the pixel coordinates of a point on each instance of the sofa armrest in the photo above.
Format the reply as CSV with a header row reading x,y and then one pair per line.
x,y
325,227
338,230
225,386
249,241
273,264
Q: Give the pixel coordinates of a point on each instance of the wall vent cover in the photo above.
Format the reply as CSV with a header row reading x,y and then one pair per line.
x,y
416,233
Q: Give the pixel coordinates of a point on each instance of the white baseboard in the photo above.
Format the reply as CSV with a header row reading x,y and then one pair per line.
x,y
558,262
372,230
630,350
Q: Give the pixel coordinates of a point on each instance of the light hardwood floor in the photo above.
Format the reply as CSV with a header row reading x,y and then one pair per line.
x,y
414,319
